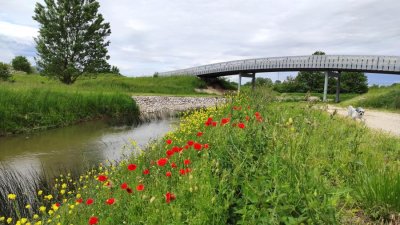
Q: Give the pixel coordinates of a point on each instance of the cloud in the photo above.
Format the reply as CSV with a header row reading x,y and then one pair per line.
x,y
155,35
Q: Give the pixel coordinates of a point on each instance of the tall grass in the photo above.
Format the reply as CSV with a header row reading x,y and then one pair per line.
x,y
32,109
379,98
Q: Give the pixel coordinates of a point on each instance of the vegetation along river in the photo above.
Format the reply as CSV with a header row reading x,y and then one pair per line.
x,y
75,147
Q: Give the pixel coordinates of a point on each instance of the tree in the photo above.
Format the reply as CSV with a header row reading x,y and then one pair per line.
x,y
354,82
71,39
22,64
312,81
115,70
4,71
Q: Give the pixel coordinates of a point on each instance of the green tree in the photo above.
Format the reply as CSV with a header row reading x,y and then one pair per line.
x,y
4,71
72,39
22,64
354,82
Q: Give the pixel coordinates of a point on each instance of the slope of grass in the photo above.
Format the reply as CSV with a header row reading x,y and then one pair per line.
x,y
175,85
378,97
254,162
33,109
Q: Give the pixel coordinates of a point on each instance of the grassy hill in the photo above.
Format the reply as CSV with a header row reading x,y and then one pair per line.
x,y
378,97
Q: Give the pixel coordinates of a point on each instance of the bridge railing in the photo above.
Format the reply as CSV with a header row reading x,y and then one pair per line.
x,y
383,64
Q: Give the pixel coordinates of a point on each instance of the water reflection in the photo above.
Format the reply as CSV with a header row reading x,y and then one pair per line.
x,y
73,147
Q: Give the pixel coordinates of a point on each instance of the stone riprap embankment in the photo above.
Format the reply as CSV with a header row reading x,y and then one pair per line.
x,y
157,107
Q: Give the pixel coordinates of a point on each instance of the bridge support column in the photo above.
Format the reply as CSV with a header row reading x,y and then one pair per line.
x,y
337,100
253,81
325,86
240,82
250,75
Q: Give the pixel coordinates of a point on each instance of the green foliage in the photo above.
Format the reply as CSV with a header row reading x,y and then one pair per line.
x,y
22,64
71,39
261,82
4,71
379,97
115,70
353,82
33,109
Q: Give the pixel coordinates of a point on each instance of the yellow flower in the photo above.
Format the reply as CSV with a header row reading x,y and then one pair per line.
x,y
28,223
2,218
38,223
42,209
24,220
48,197
62,192
64,185
28,206
72,206
12,196
40,192
36,216
9,220
51,212
78,196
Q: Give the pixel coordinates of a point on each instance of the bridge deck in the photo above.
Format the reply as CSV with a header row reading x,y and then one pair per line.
x,y
360,63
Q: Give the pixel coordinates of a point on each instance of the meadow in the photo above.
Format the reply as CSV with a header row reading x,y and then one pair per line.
x,y
386,98
251,161
33,102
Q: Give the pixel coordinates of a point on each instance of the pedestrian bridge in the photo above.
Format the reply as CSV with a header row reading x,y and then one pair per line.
x,y
333,65
359,63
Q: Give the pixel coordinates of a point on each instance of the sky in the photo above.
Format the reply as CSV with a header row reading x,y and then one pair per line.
x,y
156,35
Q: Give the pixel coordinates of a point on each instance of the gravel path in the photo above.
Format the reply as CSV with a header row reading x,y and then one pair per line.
x,y
386,121
163,106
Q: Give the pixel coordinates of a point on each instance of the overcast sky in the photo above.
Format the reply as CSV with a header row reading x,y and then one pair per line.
x,y
159,35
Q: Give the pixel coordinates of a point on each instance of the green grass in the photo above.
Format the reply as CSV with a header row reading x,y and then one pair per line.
x,y
32,102
298,165
387,98
330,97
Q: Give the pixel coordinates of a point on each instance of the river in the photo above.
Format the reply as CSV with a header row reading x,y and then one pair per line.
x,y
75,147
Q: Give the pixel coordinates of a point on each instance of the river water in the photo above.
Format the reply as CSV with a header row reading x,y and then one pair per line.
x,y
75,147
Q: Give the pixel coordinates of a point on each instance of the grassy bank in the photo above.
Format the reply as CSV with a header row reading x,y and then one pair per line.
x,y
250,162
378,97
34,109
175,85
33,102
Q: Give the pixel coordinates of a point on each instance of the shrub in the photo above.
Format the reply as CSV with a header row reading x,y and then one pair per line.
x,y
22,64
4,71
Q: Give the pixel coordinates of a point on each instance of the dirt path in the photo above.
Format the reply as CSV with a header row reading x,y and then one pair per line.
x,y
386,121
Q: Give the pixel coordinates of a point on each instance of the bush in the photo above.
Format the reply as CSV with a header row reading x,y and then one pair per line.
x,y
4,71
22,64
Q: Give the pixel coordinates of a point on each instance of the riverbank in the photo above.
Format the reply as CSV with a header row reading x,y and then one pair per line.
x,y
155,107
251,161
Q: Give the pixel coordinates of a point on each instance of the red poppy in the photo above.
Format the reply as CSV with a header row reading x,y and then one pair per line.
x,y
233,124
209,119
162,162
173,165
140,187
214,123
146,172
247,118
182,171
241,125
199,134
170,153
124,186
224,121
57,204
188,170
186,147
102,178
186,161
129,190
176,149
79,200
205,146
89,201
110,201
169,141
257,114
168,174
190,142
197,146
93,220
259,119
132,167
169,197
